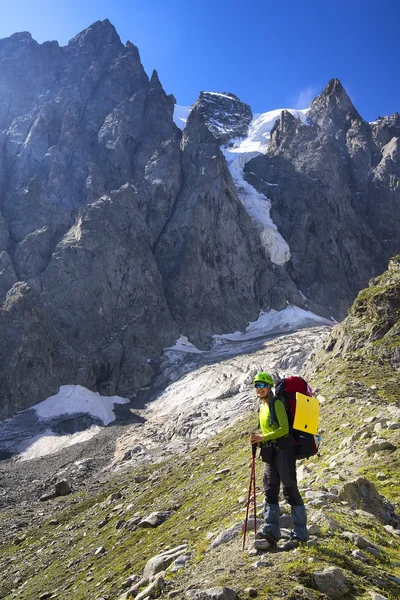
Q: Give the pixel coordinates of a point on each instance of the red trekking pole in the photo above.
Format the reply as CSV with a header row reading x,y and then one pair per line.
x,y
252,485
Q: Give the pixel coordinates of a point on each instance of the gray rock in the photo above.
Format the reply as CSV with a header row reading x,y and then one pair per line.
x,y
325,521
372,550
219,593
128,582
156,518
162,561
331,581
357,540
314,529
379,445
180,562
224,115
359,555
393,425
153,590
63,488
227,535
261,545
361,494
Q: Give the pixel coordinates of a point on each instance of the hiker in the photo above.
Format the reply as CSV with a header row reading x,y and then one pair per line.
x,y
278,454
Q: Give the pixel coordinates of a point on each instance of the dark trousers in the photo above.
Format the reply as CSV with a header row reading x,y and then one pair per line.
x,y
281,468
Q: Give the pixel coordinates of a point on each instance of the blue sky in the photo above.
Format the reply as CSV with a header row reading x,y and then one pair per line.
x,y
271,54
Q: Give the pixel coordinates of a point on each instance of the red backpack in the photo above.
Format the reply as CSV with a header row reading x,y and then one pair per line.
x,y
286,390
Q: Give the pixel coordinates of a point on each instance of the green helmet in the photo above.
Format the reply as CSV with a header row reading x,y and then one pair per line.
x,y
265,377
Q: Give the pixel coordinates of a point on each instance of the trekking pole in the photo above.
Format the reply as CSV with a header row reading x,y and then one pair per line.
x,y
254,450
252,485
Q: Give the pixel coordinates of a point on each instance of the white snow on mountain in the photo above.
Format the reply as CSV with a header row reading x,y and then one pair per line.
x,y
182,344
70,400
75,399
260,128
283,321
48,442
237,153
289,319
258,206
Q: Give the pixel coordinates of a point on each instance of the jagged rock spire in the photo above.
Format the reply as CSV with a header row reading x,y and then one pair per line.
x,y
333,107
98,34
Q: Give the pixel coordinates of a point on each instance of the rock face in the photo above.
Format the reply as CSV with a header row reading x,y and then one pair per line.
x,y
118,233
224,114
335,196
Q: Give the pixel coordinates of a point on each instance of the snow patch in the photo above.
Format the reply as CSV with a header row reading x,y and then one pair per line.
x,y
237,154
260,128
74,399
258,206
219,94
283,321
48,442
182,344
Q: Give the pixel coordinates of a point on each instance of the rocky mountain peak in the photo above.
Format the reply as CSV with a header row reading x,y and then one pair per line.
x,y
21,36
333,109
155,80
97,35
284,130
224,115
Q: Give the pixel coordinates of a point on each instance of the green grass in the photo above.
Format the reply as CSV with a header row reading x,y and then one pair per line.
x,y
47,560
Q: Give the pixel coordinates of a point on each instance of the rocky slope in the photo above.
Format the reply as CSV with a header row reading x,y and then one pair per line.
x,y
173,528
365,346
119,232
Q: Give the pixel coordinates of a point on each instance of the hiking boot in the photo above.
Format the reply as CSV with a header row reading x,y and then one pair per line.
x,y
262,545
264,541
291,544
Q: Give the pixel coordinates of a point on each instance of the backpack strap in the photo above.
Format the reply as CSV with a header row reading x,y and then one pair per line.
x,y
272,412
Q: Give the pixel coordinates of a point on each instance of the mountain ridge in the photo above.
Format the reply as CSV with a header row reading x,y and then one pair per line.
x,y
89,134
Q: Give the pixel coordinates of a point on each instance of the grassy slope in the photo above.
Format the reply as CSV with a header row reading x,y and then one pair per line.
x,y
61,557
357,376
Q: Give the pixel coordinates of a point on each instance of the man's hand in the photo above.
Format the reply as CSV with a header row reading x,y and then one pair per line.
x,y
256,438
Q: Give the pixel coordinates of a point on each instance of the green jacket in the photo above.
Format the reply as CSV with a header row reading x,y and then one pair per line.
x,y
277,429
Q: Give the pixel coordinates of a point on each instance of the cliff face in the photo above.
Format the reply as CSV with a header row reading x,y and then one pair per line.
x,y
121,233
335,196
118,232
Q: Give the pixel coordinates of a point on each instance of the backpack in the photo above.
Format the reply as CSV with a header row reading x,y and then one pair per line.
x,y
285,390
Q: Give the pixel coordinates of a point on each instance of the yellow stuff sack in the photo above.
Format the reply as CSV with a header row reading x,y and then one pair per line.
x,y
307,414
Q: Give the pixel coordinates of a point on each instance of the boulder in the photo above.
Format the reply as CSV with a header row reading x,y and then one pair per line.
x,y
156,518
325,521
332,582
379,445
362,494
162,561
